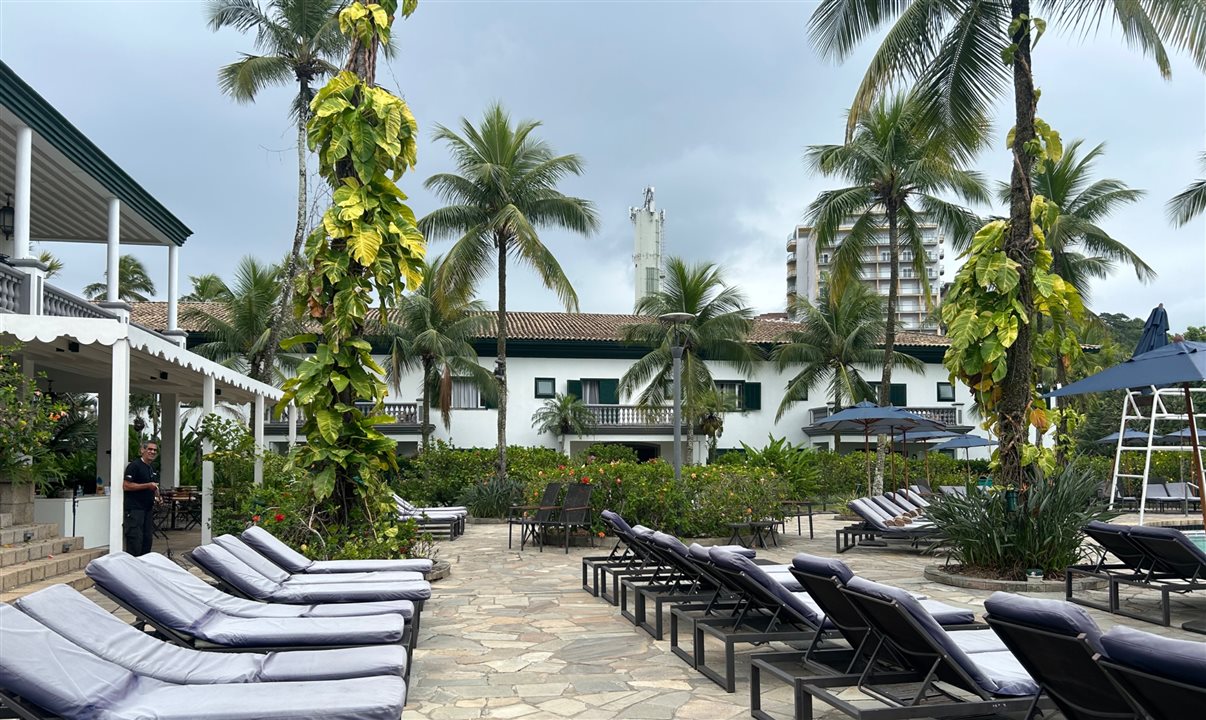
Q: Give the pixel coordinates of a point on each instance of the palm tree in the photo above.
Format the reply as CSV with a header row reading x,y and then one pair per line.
x,y
54,266
299,42
434,331
837,336
563,415
719,332
134,284
206,288
896,163
963,55
505,188
1190,202
239,326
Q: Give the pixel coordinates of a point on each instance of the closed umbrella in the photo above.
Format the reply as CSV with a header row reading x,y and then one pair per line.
x,y
1155,331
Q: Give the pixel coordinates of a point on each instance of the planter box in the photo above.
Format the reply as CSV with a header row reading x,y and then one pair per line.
x,y
91,517
17,499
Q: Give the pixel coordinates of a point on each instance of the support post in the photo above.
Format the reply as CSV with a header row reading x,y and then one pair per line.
x,y
291,413
169,440
118,414
1197,451
173,290
113,251
257,424
21,191
207,466
677,351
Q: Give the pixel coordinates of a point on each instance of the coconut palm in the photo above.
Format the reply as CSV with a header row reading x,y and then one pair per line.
x,y
298,41
504,188
134,284
837,337
719,332
1190,202
434,331
238,326
963,55
564,415
206,288
54,266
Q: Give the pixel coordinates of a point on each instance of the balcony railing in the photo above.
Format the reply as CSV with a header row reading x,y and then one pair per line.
x,y
11,282
61,303
945,414
620,416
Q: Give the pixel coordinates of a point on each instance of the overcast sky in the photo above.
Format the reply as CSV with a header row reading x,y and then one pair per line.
x,y
712,103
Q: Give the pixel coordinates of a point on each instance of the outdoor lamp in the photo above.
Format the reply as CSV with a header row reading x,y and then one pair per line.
x,y
7,217
676,351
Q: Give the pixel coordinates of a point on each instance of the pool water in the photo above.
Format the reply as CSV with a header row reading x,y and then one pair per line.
x,y
1197,537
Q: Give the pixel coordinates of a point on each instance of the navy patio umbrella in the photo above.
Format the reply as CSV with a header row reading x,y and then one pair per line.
x,y
1128,436
966,442
1184,434
927,436
1155,331
867,418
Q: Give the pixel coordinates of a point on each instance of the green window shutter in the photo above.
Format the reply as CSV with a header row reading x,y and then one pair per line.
x,y
574,387
898,394
753,396
609,392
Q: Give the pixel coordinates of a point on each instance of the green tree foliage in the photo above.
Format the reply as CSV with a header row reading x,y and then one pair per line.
x,y
368,245
206,288
564,415
434,330
134,283
28,416
1190,202
297,41
838,338
236,321
504,188
963,55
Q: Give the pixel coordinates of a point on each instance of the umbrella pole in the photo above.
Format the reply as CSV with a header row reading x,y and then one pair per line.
x,y
967,463
1197,455
927,463
867,458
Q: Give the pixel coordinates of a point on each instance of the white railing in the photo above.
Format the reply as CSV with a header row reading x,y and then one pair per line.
x,y
11,282
609,416
946,414
61,303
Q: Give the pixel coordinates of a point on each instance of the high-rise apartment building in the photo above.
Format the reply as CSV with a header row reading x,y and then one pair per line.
x,y
647,247
806,268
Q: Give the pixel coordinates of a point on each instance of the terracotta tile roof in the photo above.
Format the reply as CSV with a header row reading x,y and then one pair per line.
x,y
535,325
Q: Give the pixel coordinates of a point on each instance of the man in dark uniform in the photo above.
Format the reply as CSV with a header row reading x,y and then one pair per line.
x,y
141,486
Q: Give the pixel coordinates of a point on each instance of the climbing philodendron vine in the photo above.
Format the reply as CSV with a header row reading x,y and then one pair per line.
x,y
367,245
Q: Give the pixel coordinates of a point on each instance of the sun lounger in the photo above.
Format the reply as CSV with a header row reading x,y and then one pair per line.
x,y
274,572
621,553
686,584
43,674
1058,644
448,520
84,623
877,527
183,618
1162,677
268,545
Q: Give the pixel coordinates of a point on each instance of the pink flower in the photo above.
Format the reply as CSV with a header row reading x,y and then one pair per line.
x,y
255,519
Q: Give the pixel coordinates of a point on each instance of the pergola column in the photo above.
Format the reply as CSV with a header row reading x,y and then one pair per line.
x,y
21,190
257,424
291,413
118,414
169,440
173,289
113,250
207,466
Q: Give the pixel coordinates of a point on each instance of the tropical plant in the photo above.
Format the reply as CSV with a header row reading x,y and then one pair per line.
x,y
206,288
718,331
134,284
27,416
963,55
54,266
434,330
1190,202
298,41
236,325
366,247
837,337
706,412
564,415
504,188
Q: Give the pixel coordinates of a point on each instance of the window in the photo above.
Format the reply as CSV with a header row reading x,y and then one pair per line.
x,y
731,391
906,255
546,387
651,281
898,395
465,395
946,392
744,395
595,391
885,256
824,258
906,272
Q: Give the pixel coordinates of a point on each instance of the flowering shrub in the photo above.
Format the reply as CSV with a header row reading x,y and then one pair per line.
x,y
27,416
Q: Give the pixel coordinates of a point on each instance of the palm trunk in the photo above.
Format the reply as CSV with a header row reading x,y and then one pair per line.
x,y
500,363
1019,247
884,444
263,361
426,415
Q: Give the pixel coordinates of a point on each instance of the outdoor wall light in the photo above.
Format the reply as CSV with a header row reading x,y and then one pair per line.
x,y
7,217
73,346
163,375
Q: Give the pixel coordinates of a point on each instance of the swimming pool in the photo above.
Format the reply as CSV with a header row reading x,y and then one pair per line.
x,y
1197,537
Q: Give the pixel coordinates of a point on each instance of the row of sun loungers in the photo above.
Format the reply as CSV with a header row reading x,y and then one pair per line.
x,y
295,638
891,516
446,521
914,657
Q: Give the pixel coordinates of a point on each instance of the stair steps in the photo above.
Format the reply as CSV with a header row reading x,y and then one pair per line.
x,y
35,556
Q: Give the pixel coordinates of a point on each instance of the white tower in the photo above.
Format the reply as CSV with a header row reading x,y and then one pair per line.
x,y
647,247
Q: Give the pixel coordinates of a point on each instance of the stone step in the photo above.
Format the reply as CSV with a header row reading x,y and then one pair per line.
x,y
6,519
38,549
47,568
76,579
26,533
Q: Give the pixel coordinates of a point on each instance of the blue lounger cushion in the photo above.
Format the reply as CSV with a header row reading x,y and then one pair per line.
x,y
1192,552
220,562
799,602
83,622
241,607
275,573
942,613
1180,660
620,523
699,553
669,542
66,680
175,607
1054,616
292,561
996,673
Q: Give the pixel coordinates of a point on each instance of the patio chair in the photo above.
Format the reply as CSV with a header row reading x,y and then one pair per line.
x,y
69,613
185,620
1158,495
1161,677
1183,493
1178,566
621,554
43,674
268,545
1057,643
274,572
875,529
574,513
946,674
528,516
684,584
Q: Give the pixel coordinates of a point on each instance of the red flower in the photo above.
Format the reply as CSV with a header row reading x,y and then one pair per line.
x,y
278,517
255,519
586,481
